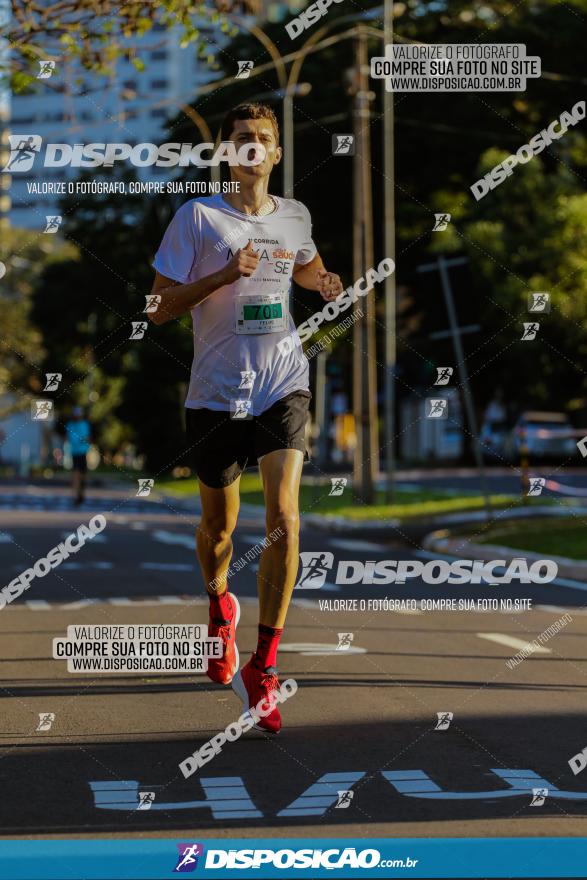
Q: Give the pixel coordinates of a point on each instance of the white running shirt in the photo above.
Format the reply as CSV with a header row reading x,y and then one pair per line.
x,y
237,328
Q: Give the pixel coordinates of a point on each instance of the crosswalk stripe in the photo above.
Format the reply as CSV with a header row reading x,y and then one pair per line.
x,y
182,540
511,642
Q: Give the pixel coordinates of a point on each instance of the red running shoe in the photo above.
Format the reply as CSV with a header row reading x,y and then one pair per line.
x,y
222,669
256,686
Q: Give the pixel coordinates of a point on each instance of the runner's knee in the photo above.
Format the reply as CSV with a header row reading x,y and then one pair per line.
x,y
283,525
216,529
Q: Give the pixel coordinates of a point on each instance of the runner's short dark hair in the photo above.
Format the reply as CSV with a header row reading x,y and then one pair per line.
x,y
248,111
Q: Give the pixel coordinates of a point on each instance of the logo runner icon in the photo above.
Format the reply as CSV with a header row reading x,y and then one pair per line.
x,y
344,641
23,150
189,853
139,328
53,222
444,374
146,799
539,795
530,331
539,302
344,799
444,719
441,222
42,410
46,69
438,409
338,485
46,719
52,381
537,484
343,145
145,487
244,69
315,567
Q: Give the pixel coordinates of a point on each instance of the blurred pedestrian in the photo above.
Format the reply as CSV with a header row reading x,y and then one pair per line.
x,y
78,432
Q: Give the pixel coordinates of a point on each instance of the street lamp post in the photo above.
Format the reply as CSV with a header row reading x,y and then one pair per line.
x,y
364,373
389,251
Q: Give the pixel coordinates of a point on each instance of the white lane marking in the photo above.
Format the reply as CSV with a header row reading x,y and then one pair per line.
x,y
97,539
318,649
164,537
361,546
167,566
42,605
76,566
560,609
304,603
253,539
511,642
330,588
38,604
567,582
558,581
81,603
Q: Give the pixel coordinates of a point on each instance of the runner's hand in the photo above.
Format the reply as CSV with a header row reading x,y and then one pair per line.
x,y
329,284
244,262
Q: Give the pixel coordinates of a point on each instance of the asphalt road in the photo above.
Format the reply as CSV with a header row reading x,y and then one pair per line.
x,y
363,719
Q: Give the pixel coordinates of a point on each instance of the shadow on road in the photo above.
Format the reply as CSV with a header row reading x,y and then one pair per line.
x,y
480,768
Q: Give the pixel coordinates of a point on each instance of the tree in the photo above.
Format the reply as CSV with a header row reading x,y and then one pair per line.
x,y
25,257
96,32
84,308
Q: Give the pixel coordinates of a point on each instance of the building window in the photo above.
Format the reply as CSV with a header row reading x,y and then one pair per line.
x,y
158,83
159,55
158,113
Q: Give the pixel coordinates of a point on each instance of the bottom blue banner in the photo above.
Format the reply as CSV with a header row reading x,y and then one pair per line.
x,y
115,859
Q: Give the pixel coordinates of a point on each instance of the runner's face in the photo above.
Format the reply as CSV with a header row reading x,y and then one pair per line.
x,y
255,131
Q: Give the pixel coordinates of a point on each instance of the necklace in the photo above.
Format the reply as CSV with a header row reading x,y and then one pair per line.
x,y
267,207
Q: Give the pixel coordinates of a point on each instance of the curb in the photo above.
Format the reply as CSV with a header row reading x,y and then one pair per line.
x,y
442,542
340,523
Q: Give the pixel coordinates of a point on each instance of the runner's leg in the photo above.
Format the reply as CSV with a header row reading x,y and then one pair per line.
x,y
82,480
214,548
281,472
214,534
75,483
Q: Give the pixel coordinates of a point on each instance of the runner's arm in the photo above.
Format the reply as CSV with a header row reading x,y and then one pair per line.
x,y
178,298
305,274
313,276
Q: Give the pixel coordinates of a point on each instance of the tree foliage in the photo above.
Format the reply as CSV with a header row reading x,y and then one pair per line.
x,y
97,32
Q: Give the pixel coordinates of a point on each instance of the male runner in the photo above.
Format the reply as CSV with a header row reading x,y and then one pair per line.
x,y
229,259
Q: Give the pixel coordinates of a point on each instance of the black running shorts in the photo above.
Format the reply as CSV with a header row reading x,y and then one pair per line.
x,y
80,463
221,447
